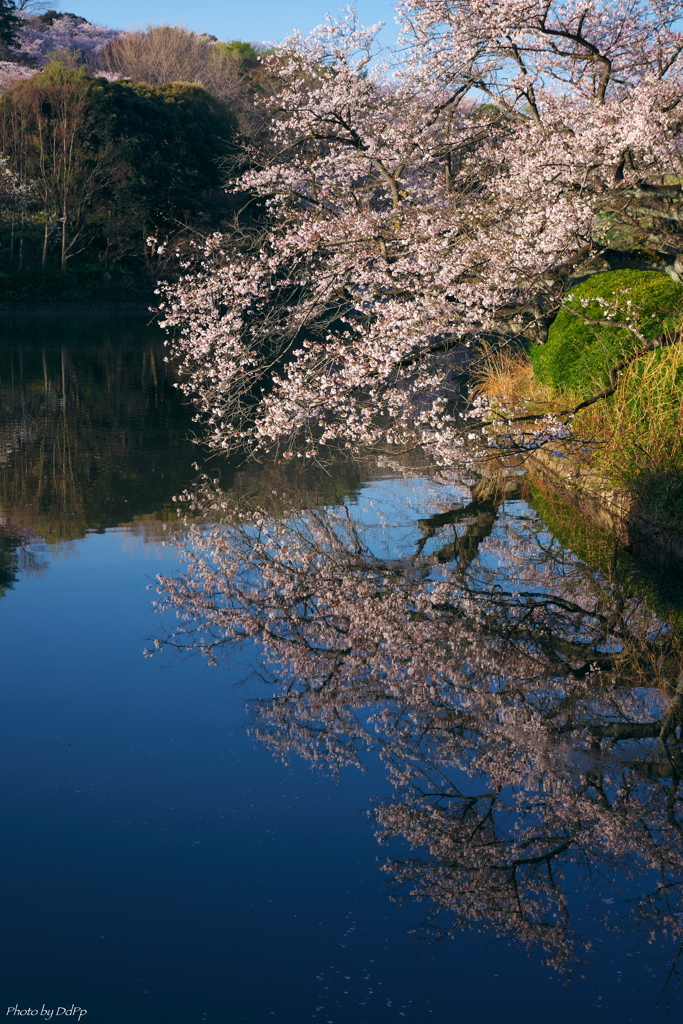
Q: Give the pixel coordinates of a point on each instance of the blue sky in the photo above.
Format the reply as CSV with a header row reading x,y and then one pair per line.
x,y
250,20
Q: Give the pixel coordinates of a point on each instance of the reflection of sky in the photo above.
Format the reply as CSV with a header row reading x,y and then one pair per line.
x,y
388,511
162,867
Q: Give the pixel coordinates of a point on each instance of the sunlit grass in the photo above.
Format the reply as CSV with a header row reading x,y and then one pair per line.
x,y
636,435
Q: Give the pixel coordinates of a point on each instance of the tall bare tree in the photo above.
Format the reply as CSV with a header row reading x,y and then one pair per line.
x,y
43,128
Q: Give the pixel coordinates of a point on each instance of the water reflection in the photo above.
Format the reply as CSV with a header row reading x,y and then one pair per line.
x,y
528,706
15,557
94,434
90,433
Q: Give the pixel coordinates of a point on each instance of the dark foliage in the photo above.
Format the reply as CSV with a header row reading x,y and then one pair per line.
x,y
112,163
9,23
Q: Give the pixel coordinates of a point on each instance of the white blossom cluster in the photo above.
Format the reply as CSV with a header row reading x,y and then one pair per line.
x,y
37,41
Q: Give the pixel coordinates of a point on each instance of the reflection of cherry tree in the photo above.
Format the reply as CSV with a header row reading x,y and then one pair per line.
x,y
527,708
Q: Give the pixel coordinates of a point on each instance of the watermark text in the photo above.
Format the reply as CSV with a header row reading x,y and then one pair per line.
x,y
46,1012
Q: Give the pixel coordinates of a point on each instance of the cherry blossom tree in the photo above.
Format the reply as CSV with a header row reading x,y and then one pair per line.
x,y
39,37
11,73
410,207
14,193
19,200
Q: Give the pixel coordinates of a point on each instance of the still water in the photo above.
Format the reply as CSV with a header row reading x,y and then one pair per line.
x,y
406,745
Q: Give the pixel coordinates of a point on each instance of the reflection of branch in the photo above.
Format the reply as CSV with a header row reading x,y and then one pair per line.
x,y
613,730
486,499
484,494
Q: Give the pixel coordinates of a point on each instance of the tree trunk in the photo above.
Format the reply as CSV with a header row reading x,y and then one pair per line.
x,y
21,244
64,256
43,261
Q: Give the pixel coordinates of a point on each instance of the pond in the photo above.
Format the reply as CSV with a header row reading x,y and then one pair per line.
x,y
355,745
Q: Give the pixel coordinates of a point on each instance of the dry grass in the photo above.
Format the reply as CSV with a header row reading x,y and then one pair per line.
x,y
506,377
505,374
646,407
636,436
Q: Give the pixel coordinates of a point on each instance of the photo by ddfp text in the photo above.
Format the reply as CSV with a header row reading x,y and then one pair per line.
x,y
47,1013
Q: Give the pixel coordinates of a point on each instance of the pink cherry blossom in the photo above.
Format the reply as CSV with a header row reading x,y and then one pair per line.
x,y
415,202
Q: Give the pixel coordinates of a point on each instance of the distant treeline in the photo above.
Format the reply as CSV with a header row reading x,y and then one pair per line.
x,y
98,159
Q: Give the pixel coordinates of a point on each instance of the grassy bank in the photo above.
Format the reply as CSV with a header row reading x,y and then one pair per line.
x,y
633,436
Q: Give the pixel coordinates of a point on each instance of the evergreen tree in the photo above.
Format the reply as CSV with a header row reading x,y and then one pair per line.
x,y
9,23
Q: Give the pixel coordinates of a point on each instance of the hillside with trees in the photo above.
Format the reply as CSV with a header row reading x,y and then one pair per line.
x,y
108,138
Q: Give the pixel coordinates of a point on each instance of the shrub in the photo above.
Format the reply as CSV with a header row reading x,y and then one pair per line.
x,y
578,356
634,438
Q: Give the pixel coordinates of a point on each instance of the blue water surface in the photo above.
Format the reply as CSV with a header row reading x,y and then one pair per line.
x,y
159,865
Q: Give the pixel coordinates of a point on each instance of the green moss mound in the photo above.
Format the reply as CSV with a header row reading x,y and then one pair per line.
x,y
578,356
